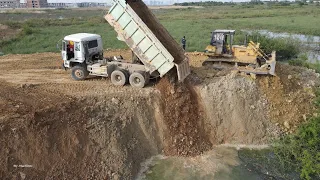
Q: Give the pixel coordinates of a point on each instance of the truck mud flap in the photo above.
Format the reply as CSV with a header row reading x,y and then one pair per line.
x,y
183,70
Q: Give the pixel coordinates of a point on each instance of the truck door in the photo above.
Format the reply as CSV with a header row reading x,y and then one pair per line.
x,y
78,55
64,50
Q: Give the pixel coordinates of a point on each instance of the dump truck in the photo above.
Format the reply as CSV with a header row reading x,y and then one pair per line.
x,y
155,51
249,58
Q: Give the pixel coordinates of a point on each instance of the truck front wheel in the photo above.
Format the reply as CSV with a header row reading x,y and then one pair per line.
x,y
119,78
137,80
79,73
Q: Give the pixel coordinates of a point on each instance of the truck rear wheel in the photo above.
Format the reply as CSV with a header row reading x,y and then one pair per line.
x,y
137,80
119,78
79,73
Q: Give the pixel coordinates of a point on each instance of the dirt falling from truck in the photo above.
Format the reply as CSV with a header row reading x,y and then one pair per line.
x,y
182,112
183,118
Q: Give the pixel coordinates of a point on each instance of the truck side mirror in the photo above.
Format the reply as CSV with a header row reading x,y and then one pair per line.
x,y
60,45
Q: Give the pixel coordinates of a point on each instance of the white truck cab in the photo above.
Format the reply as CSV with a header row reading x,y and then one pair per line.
x,y
81,48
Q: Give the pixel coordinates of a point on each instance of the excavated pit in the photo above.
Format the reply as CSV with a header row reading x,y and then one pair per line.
x,y
91,129
96,137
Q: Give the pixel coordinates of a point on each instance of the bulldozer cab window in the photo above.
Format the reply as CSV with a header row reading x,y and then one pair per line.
x,y
217,38
225,40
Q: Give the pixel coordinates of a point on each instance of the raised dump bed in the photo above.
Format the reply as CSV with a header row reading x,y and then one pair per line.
x,y
148,39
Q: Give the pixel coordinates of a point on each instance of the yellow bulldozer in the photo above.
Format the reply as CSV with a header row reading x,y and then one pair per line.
x,y
249,58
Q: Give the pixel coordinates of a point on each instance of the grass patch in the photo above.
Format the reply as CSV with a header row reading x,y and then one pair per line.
x,y
43,34
302,60
195,24
33,39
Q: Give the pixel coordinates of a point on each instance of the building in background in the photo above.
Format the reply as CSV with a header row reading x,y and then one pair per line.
x,y
23,5
9,3
155,3
63,5
92,4
57,5
37,3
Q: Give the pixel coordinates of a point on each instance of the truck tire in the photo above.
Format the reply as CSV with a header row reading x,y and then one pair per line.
x,y
137,80
79,73
119,77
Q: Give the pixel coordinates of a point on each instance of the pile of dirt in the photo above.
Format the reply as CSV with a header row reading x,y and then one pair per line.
x,y
289,95
183,118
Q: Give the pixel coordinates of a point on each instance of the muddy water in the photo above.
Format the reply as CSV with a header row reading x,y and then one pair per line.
x,y
311,43
222,163
301,37
314,56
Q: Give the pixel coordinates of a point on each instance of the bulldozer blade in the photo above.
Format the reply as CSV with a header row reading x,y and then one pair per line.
x,y
268,68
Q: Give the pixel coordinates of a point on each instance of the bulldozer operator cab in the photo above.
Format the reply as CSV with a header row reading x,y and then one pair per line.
x,y
81,48
221,42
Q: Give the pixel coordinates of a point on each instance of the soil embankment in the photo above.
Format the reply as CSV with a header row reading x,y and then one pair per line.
x,y
54,136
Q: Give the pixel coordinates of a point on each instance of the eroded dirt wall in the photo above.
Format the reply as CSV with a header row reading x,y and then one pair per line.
x,y
243,110
236,112
89,138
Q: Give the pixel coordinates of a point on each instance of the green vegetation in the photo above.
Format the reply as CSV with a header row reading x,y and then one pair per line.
x,y
43,30
302,60
301,151
286,48
42,35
